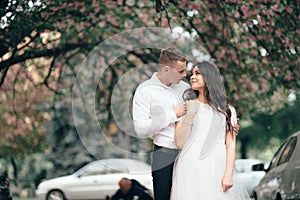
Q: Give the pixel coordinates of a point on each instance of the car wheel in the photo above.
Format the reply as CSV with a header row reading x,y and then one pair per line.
x,y
55,195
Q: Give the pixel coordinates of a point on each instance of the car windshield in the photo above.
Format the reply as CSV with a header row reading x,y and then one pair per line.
x,y
100,168
275,160
93,169
288,151
113,166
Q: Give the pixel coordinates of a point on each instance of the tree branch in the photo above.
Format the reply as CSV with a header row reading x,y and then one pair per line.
x,y
45,53
4,73
5,65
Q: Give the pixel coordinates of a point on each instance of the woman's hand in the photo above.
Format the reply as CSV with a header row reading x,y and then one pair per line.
x,y
236,129
192,107
226,183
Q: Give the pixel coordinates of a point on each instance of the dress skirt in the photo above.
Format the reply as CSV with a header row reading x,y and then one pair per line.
x,y
200,178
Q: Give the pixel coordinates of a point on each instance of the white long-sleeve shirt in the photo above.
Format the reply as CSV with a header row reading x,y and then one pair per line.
x,y
153,114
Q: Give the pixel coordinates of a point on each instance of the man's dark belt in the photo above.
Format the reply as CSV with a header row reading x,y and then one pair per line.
x,y
165,149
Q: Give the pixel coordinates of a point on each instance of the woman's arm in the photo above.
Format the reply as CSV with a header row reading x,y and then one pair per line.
x,y
227,182
182,133
183,128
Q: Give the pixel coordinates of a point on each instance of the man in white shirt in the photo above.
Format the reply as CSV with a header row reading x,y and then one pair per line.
x,y
157,105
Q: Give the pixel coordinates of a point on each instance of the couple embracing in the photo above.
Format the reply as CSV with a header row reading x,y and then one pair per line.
x,y
194,140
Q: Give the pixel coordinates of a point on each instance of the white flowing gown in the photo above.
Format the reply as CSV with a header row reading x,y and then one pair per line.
x,y
196,178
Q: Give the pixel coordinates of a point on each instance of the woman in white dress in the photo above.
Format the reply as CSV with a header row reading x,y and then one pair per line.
x,y
204,168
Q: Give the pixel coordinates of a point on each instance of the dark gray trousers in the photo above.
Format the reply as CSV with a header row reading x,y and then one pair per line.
x,y
162,171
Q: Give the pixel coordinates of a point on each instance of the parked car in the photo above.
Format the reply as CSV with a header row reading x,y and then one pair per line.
x,y
248,178
96,180
282,180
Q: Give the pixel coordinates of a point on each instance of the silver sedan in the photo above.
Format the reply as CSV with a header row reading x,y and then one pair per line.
x,y
96,180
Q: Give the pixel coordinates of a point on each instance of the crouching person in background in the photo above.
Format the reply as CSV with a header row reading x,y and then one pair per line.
x,y
130,189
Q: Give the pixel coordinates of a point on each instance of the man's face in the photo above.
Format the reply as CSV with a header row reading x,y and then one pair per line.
x,y
177,72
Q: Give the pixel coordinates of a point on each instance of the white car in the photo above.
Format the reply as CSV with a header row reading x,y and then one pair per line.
x,y
282,180
96,180
247,177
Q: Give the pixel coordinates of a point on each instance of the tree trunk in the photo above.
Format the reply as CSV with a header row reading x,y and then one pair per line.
x,y
244,145
15,171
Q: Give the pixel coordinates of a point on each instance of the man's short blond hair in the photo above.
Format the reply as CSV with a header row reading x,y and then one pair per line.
x,y
169,56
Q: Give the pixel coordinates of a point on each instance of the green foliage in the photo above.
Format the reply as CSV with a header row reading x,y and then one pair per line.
x,y
265,127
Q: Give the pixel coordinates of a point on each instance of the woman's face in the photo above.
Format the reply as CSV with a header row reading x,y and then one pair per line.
x,y
197,80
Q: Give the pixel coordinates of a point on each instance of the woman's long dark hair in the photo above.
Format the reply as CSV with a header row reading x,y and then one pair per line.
x,y
214,89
